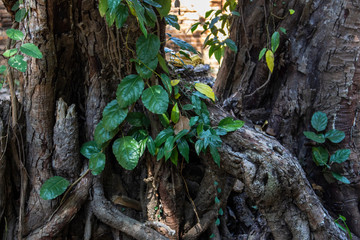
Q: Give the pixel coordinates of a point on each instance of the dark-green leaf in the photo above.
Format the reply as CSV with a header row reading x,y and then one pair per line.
x,y
335,136
137,119
89,148
230,124
129,90
320,155
155,99
168,147
262,53
230,43
162,136
166,82
165,7
340,178
127,152
215,154
53,187
275,40
151,146
113,115
18,63
97,163
319,138
102,136
172,20
147,48
319,121
184,149
340,156
183,45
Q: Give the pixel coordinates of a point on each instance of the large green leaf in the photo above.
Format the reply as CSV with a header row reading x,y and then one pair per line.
x,y
163,135
113,5
182,44
230,124
31,50
155,99
340,178
275,41
319,138
138,119
129,90
97,163
113,115
15,34
121,14
340,156
335,136
165,7
168,147
147,48
53,187
18,63
184,149
127,152
102,136
175,114
89,148
320,155
319,121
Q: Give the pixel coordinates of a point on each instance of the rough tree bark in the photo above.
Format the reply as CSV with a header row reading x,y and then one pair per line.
x,y
66,91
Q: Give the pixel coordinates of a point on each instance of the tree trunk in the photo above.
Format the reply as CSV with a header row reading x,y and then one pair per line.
x,y
66,91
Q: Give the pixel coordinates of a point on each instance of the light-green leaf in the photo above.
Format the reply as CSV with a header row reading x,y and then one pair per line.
x,y
320,155
127,152
31,50
340,156
18,63
15,34
175,113
340,178
155,99
319,121
230,124
129,90
262,53
275,41
10,52
319,138
113,115
103,6
335,136
2,69
102,136
174,156
89,148
97,163
291,11
53,187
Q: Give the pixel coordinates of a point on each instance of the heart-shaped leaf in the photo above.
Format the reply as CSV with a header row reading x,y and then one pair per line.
x,y
53,187
127,152
89,148
97,163
155,99
129,90
113,115
319,121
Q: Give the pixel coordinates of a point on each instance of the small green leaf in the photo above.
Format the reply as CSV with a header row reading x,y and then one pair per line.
x,y
262,53
208,13
162,136
230,43
160,154
155,99
184,149
217,222
221,212
15,6
113,5
20,14
97,163
18,63
283,30
275,41
172,20
113,115
168,147
182,44
143,144
163,63
193,120
15,34
194,27
319,138
340,178
151,146
319,121
292,11
129,90
188,107
121,15
335,136
230,124
53,187
175,114
181,134
166,82
164,120
103,7
320,155
219,53
2,69
10,52
152,3
127,152
340,156
102,136
137,119
89,148
215,154
199,145
217,200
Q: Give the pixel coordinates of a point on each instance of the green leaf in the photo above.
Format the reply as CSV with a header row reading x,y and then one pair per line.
x,y
146,69
230,124
110,18
53,187
165,7
262,53
206,90
152,3
319,121
147,48
127,152
213,22
172,20
168,147
15,34
217,200
89,148
163,135
2,69
283,30
97,163
102,136
292,11
142,144
230,43
121,15
18,63
319,138
193,120
181,134
188,107
208,13
221,212
129,90
235,13
160,154
220,131
15,6
166,82
183,45
340,178
199,145
137,119
194,27
215,154
174,156
20,14
217,222
113,115
155,99
184,149
209,137
335,136
113,5
340,156
137,9
320,155
163,63
103,7
175,114
164,120
275,41
219,53
151,146
10,52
